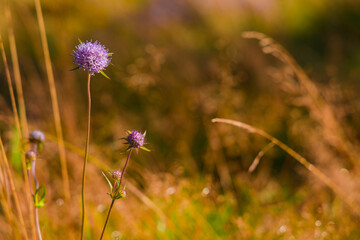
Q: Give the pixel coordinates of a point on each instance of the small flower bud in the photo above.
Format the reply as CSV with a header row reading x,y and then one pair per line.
x,y
116,175
37,136
30,156
123,193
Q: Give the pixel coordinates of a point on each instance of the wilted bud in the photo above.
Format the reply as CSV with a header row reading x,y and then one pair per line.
x,y
116,175
30,156
37,136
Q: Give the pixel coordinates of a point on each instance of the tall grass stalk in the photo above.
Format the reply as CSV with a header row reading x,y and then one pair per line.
x,y
11,90
314,170
17,123
5,199
7,209
116,192
13,190
54,101
17,76
85,159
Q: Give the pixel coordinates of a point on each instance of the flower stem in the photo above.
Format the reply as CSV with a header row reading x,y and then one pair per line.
x,y
107,218
116,192
37,223
85,160
123,171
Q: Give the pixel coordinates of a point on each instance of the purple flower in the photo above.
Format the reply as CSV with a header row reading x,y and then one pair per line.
x,y
37,136
135,139
92,57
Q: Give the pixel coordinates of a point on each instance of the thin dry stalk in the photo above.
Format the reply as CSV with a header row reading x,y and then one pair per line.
x,y
17,76
258,157
7,212
4,200
17,123
314,170
4,183
13,190
270,46
11,90
54,101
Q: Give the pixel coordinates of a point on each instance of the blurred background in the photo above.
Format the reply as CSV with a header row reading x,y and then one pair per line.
x,y
176,65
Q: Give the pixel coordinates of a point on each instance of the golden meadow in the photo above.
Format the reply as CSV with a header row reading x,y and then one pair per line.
x,y
251,112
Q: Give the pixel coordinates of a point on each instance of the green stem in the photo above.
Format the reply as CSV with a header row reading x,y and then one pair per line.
x,y
116,192
85,161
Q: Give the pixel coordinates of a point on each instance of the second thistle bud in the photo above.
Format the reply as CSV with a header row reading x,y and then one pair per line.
x,y
116,175
36,136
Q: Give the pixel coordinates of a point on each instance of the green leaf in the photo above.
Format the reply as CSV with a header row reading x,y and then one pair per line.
x,y
110,54
79,40
39,203
74,69
119,196
128,149
102,73
111,187
41,189
28,165
144,148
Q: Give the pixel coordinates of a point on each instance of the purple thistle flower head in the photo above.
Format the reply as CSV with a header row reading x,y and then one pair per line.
x,y
37,136
92,57
135,139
